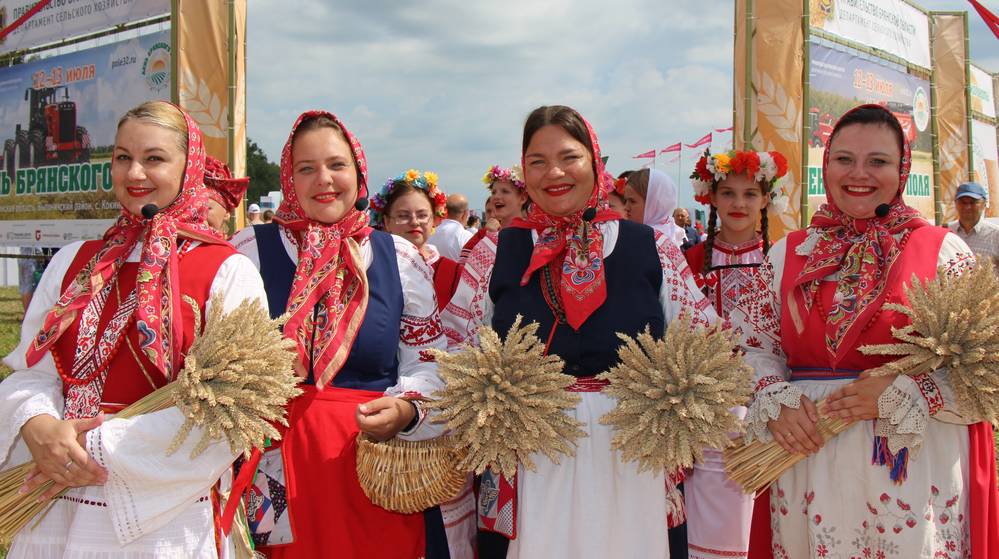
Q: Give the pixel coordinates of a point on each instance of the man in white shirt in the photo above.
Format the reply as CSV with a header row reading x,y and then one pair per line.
x,y
980,234
451,235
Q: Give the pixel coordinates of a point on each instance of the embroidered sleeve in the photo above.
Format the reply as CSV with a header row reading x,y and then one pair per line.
x,y
470,306
955,256
679,294
37,390
420,330
755,319
245,242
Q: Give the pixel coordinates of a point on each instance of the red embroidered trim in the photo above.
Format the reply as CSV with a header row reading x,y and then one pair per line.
x,y
767,381
420,331
588,384
717,552
931,393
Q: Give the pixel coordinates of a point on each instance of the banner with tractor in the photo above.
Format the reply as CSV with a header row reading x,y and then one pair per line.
x,y
839,81
58,118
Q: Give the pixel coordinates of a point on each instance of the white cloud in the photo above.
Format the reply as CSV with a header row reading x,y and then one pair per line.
x,y
445,85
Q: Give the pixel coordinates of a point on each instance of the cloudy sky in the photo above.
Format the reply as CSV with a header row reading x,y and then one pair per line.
x,y
445,85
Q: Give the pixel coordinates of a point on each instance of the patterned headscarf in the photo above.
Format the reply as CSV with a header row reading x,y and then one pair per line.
x,y
862,251
576,243
157,283
330,276
222,187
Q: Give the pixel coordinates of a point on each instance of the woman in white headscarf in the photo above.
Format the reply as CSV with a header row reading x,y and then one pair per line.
x,y
650,197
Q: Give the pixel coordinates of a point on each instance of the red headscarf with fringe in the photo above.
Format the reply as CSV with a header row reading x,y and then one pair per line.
x,y
862,251
575,243
157,283
330,274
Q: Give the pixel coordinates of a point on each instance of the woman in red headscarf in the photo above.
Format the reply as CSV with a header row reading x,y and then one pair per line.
x,y
111,321
584,275
929,490
224,193
362,313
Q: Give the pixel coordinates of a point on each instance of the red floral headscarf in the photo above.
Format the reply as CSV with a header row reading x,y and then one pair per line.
x,y
330,276
157,283
863,251
222,187
576,243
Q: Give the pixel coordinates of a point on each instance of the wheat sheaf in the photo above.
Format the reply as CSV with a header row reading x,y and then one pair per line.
x,y
505,401
674,395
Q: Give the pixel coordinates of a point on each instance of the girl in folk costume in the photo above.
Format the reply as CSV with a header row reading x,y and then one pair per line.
x,y
407,206
506,202
112,321
584,275
650,197
820,295
362,312
739,186
224,193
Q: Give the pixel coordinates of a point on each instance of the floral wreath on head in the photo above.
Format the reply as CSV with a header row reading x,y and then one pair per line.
x,y
425,181
767,167
512,175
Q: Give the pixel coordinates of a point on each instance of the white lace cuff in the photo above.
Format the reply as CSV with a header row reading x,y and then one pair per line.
x,y
766,407
38,404
903,414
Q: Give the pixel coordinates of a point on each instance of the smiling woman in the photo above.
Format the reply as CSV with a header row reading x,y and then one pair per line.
x,y
822,294
584,275
110,322
362,311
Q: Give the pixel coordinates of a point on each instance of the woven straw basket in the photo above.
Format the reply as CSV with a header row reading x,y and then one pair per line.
x,y
409,476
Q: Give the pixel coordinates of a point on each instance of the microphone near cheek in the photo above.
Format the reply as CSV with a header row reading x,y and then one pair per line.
x,y
882,210
149,211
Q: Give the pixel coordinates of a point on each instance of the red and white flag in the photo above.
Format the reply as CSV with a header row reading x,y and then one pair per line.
x,y
670,149
720,130
651,154
990,19
702,142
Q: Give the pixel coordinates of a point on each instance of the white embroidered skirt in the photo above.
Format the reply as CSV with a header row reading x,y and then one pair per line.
x,y
837,504
591,505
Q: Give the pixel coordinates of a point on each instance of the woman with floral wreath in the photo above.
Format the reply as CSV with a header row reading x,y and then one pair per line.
x,y
822,293
740,187
505,203
362,313
112,321
584,275
407,206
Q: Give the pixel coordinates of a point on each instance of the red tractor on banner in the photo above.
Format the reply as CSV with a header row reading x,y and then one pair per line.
x,y
903,113
821,127
52,136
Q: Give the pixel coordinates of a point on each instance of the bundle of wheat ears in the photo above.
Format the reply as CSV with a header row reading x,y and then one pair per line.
x,y
674,395
504,400
954,325
236,380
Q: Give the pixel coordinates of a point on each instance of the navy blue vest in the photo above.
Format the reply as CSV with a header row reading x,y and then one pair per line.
x,y
373,362
634,276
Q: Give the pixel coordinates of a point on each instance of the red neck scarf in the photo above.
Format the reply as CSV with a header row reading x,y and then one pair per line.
x,y
158,282
576,243
329,293
862,251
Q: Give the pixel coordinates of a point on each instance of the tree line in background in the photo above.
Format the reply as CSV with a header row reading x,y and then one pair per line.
x,y
265,176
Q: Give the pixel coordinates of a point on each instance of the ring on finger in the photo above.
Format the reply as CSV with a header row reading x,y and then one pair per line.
x,y
68,464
